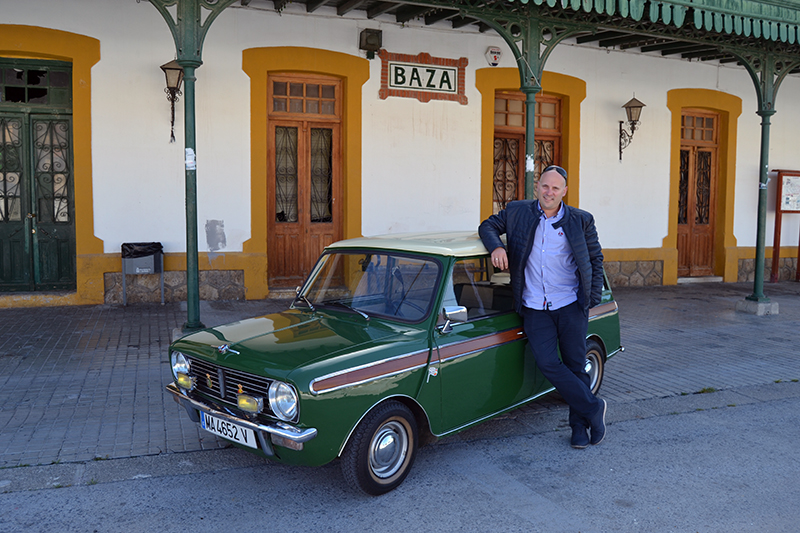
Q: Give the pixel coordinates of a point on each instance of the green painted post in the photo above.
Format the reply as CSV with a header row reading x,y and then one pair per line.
x,y
761,228
530,142
192,269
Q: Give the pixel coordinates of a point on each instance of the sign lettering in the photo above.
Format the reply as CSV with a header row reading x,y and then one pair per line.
x,y
424,77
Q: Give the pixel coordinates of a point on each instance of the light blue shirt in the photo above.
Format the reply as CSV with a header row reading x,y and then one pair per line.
x,y
551,274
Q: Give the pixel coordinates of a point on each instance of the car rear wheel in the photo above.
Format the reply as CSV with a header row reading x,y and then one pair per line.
x,y
595,364
381,449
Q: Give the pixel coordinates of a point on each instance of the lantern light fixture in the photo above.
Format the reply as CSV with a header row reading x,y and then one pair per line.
x,y
174,74
633,110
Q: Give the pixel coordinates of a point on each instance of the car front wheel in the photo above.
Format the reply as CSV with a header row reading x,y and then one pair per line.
x,y
381,449
594,364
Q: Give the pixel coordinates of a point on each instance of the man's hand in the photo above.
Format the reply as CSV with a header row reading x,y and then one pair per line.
x,y
500,258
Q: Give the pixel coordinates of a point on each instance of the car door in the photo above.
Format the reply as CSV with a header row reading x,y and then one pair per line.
x,y
482,363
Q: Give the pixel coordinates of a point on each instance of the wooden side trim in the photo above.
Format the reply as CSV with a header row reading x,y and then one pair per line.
x,y
460,349
370,372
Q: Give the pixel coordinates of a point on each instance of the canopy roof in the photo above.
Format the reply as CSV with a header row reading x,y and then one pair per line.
x,y
694,29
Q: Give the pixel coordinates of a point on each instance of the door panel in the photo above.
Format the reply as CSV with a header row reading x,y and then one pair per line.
x,y
54,237
36,203
483,366
697,193
303,188
14,234
696,212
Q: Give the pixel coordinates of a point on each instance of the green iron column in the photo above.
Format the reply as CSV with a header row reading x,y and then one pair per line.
x,y
530,91
761,226
192,266
189,30
531,40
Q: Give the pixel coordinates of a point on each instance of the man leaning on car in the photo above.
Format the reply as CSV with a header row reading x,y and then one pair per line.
x,y
556,266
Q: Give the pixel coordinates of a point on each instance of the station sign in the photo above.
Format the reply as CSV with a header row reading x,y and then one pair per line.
x,y
423,77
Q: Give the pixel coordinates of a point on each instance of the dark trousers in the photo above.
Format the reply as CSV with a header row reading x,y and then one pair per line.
x,y
564,329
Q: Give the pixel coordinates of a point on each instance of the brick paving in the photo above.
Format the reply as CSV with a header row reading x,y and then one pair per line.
x,y
87,382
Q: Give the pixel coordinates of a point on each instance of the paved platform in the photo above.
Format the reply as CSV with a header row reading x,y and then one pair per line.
x,y
87,383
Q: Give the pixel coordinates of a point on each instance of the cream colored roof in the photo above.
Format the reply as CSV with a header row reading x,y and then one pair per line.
x,y
456,243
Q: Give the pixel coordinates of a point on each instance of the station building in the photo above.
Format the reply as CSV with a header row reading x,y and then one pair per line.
x,y
317,121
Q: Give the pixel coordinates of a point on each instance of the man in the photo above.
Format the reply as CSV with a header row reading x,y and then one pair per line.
x,y
556,265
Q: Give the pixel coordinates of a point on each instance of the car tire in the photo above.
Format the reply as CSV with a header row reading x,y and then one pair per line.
x,y
381,450
595,364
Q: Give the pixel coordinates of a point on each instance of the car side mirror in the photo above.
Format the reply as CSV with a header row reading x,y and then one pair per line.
x,y
457,314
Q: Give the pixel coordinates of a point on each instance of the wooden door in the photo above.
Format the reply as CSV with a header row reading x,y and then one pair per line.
x,y
304,174
697,194
509,144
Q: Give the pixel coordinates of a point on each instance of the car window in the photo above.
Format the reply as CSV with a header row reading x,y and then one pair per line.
x,y
377,284
474,285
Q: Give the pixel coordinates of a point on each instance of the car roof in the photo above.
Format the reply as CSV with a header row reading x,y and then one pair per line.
x,y
455,243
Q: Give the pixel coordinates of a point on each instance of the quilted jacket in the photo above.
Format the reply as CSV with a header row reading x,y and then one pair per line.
x,y
519,220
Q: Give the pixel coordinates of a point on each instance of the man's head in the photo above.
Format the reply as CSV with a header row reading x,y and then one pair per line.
x,y
551,189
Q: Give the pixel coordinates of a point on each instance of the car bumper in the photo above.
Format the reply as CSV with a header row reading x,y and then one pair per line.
x,y
278,433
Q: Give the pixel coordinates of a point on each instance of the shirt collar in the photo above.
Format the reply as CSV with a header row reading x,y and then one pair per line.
x,y
557,216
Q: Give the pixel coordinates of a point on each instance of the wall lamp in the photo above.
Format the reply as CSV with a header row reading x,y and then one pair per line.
x,y
174,73
634,110
371,41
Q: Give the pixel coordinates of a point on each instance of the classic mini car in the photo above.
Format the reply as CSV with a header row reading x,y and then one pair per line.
x,y
391,342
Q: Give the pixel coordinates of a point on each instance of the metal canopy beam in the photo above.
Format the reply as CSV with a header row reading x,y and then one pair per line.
x,y
433,18
599,36
349,6
410,13
313,5
380,9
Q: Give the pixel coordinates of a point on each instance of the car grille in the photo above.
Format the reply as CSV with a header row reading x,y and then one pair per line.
x,y
226,382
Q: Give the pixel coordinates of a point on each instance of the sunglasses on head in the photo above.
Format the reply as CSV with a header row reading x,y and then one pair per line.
x,y
557,169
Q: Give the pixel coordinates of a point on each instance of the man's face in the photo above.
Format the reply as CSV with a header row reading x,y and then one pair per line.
x,y
551,190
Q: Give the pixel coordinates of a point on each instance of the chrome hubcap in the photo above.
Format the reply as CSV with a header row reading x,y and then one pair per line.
x,y
591,369
388,449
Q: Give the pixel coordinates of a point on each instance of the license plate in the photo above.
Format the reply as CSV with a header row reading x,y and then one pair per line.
x,y
228,430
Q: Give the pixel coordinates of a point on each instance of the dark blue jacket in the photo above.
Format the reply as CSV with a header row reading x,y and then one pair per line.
x,y
519,220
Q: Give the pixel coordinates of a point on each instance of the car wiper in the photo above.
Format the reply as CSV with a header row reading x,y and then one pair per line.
x,y
339,303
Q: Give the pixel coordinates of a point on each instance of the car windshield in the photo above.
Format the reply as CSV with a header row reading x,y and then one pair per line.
x,y
374,284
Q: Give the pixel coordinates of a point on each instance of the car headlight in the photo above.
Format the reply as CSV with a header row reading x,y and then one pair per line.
x,y
180,365
283,400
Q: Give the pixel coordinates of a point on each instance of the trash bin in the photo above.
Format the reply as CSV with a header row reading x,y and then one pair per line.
x,y
142,258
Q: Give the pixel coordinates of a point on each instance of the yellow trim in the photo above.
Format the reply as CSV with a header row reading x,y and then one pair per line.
x,y
257,63
83,52
729,107
749,252
636,254
572,92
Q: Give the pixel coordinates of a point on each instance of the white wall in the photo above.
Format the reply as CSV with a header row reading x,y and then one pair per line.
x,y
421,161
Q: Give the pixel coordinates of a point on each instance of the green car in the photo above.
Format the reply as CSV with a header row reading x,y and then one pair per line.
x,y
392,342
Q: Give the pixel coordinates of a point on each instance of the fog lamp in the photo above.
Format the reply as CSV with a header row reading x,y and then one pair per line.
x,y
185,381
250,404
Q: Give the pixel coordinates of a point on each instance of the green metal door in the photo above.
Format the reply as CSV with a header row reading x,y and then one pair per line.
x,y
37,229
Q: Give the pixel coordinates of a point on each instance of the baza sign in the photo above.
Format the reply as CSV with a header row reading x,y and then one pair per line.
x,y
423,77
